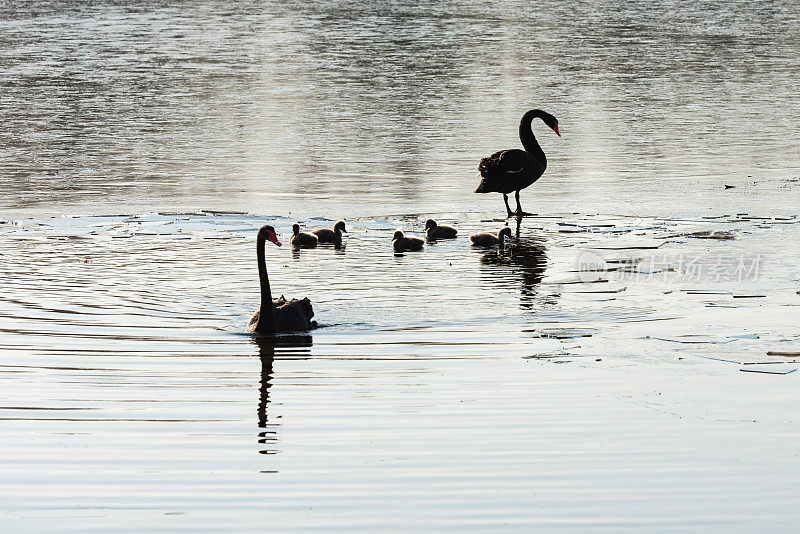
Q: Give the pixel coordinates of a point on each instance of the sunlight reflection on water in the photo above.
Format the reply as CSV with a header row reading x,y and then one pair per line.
x,y
125,340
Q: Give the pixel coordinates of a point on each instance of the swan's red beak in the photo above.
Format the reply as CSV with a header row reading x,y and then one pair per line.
x,y
272,236
555,129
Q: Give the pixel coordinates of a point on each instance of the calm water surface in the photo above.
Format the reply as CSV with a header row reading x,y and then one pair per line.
x,y
598,375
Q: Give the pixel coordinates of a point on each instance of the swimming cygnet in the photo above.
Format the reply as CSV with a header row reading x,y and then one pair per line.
x,y
489,240
434,231
302,239
401,243
326,235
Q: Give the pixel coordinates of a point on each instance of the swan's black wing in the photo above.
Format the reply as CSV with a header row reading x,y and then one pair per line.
x,y
293,315
290,316
516,161
507,171
251,325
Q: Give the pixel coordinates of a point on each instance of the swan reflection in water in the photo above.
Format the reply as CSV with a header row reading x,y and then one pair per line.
x,y
289,346
523,261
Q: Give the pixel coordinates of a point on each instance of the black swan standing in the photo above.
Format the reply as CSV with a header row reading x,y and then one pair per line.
x,y
326,235
277,315
302,239
515,169
434,231
401,243
489,240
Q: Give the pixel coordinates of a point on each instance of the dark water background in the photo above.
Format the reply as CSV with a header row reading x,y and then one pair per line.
x,y
597,376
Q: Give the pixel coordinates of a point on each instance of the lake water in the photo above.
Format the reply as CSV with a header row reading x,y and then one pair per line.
x,y
625,366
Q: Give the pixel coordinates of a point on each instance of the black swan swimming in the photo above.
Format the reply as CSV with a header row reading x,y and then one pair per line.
x,y
489,240
401,243
326,235
511,170
302,239
277,315
434,231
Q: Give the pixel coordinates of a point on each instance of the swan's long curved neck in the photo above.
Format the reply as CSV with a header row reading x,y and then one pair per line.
x,y
266,316
526,135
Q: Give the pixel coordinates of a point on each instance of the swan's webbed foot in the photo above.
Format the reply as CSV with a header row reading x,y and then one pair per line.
x,y
519,214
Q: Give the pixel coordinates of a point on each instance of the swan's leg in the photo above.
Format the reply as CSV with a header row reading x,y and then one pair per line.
x,y
508,209
520,213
